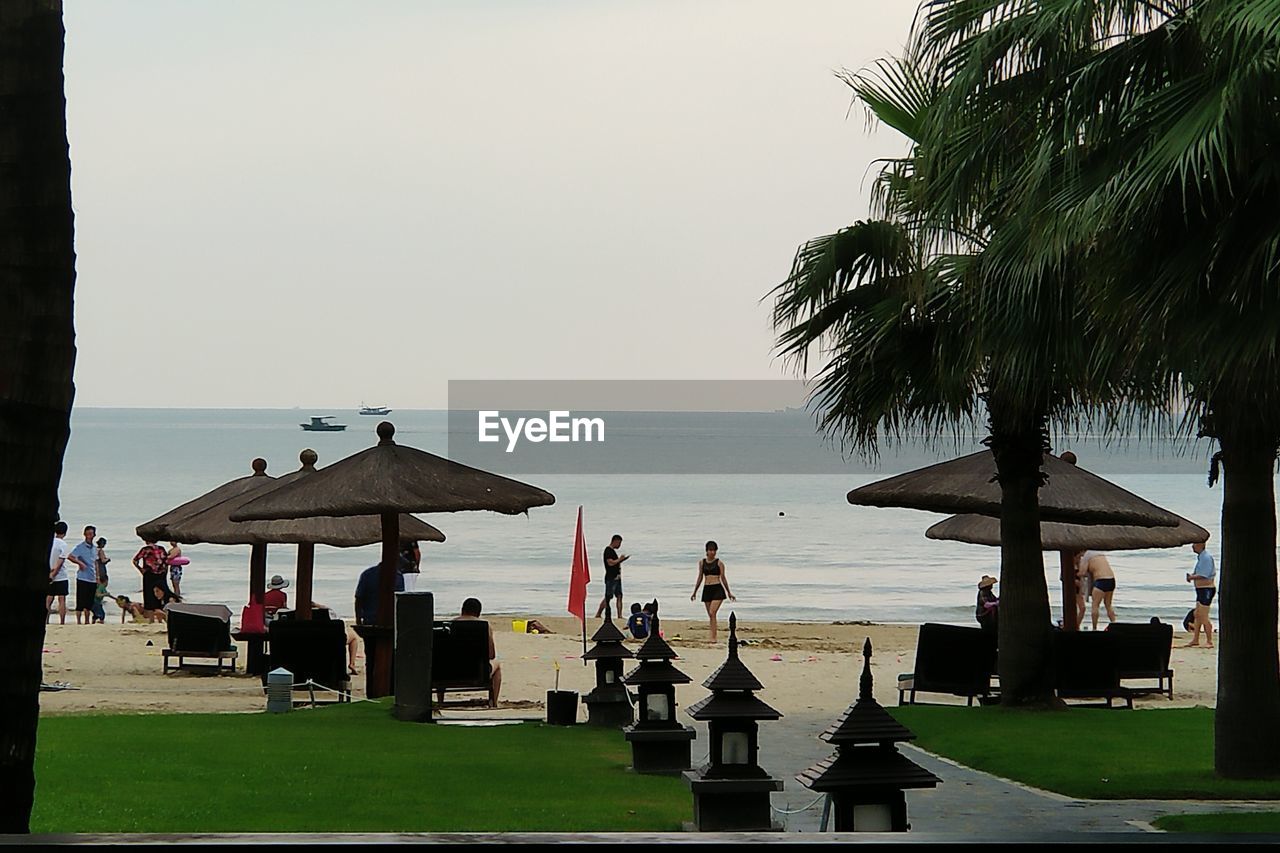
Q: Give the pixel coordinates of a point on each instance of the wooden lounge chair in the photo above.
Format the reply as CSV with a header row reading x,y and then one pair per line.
x,y
1142,653
950,659
199,632
460,660
315,651
1085,667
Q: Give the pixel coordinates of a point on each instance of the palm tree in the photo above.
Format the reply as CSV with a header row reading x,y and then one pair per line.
x,y
36,358
1159,164
904,307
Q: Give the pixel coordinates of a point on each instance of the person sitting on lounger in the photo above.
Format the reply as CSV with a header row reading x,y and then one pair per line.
x,y
471,611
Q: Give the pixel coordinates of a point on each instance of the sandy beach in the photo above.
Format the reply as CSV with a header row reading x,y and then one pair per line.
x,y
116,667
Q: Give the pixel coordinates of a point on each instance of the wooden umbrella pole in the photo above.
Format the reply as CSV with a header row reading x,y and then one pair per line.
x,y
257,574
1069,620
380,645
306,571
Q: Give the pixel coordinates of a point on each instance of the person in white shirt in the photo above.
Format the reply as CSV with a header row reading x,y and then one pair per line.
x,y
58,582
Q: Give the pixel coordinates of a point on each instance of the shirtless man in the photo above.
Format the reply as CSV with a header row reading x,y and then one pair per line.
x,y
1095,566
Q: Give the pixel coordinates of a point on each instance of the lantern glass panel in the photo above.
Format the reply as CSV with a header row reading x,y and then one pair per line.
x,y
873,817
656,707
733,748
608,676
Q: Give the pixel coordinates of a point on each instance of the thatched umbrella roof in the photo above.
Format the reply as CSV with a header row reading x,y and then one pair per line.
x,y
390,477
1057,536
968,485
157,529
215,526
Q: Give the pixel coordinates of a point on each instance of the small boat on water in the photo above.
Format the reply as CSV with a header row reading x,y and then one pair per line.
x,y
322,424
374,410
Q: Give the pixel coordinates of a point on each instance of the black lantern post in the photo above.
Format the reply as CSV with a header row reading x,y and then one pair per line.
x,y
731,793
867,775
608,704
659,742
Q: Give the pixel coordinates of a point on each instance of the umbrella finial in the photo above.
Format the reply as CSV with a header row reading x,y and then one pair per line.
x,y
259,467
386,430
864,684
308,458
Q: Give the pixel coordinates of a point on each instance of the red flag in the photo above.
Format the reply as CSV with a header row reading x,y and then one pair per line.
x,y
580,575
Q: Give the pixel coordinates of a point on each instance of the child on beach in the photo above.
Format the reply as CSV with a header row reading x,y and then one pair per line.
x,y
638,623
100,562
175,566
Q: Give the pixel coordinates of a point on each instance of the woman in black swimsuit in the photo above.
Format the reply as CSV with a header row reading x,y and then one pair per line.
x,y
715,586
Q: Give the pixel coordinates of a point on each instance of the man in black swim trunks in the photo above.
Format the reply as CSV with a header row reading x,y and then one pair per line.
x,y
613,575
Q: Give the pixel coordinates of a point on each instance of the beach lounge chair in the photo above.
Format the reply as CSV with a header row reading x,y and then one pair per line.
x,y
199,632
1085,667
950,659
460,660
1142,653
315,651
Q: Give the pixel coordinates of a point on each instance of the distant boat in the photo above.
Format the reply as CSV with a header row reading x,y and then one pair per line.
x,y
322,425
374,410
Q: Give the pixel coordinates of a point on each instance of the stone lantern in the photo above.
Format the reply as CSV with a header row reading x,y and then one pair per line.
x,y
867,775
609,703
659,742
731,793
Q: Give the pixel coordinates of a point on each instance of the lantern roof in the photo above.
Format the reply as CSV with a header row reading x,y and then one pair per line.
x,y
655,648
856,767
608,632
734,705
866,721
602,651
733,673
656,672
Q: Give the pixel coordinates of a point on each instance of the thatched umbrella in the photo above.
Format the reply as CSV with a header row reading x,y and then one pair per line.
x,y
1070,538
214,526
1057,536
389,479
157,529
968,485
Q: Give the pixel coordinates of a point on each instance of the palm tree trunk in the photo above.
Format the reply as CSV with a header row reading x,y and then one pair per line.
x,y
1024,662
37,352
1246,735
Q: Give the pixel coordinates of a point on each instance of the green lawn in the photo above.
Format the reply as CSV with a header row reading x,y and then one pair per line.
x,y
1086,752
340,768
1220,822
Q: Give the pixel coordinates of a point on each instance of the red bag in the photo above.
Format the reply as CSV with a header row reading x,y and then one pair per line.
x,y
253,619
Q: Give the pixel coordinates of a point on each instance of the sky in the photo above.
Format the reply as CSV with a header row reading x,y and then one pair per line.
x,y
317,203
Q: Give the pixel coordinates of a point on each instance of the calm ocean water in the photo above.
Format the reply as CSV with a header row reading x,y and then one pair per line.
x,y
824,560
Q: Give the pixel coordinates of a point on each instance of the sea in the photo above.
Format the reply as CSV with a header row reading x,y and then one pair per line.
x,y
793,547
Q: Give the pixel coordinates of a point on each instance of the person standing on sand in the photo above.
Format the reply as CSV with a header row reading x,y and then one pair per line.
x,y
1095,566
152,562
1084,586
714,583
85,557
175,572
1204,578
58,573
613,576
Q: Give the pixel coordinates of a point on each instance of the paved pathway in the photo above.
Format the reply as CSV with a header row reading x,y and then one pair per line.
x,y
968,803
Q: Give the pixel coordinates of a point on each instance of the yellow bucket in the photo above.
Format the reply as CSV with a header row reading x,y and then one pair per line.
x,y
520,626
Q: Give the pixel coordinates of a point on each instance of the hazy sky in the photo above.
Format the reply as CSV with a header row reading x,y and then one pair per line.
x,y
317,203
